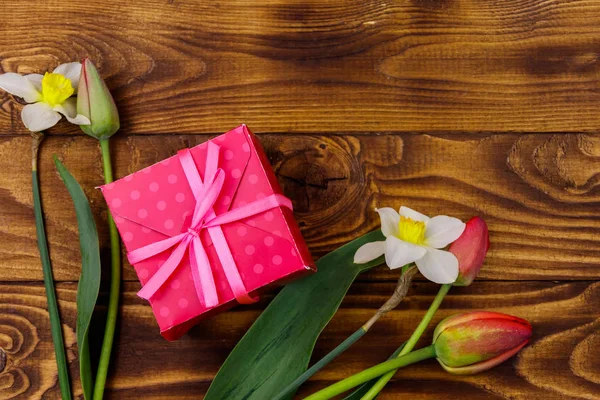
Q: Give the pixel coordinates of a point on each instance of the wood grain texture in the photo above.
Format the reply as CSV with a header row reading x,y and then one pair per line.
x,y
538,194
462,107
184,66
558,364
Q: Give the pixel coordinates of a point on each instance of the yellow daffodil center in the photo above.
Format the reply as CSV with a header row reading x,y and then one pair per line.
x,y
411,231
56,88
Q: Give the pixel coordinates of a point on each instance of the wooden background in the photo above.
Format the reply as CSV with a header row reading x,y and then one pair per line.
x,y
464,107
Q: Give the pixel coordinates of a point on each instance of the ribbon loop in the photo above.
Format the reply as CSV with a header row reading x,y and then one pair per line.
x,y
206,193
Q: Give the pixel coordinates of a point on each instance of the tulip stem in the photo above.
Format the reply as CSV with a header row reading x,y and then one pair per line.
x,y
412,341
115,282
55,324
373,372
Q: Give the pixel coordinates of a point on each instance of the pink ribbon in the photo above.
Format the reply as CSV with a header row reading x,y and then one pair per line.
x,y
205,193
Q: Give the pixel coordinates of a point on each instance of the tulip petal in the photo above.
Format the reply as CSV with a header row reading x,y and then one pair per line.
x,y
483,365
39,116
19,86
389,221
438,266
518,324
470,249
412,214
368,252
399,253
443,230
69,110
71,71
36,79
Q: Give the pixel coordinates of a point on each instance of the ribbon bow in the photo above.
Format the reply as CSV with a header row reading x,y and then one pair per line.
x,y
205,193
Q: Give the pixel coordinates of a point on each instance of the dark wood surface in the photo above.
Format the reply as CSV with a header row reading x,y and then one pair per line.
x,y
458,107
559,364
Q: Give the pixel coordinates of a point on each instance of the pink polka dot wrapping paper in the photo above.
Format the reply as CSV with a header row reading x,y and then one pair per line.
x,y
157,203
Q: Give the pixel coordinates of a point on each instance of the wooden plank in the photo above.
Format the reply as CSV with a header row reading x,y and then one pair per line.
x,y
558,364
537,192
318,66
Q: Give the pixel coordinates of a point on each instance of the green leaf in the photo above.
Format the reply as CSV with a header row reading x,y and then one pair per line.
x,y
89,281
278,346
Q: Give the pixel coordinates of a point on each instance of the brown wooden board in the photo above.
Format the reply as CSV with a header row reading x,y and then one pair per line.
x,y
458,107
538,193
187,66
560,363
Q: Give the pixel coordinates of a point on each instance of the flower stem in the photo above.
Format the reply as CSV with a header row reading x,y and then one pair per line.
x,y
412,341
373,372
55,325
115,282
364,388
350,340
400,291
404,282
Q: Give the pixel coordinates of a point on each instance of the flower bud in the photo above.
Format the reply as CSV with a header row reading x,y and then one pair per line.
x,y
473,342
470,249
96,103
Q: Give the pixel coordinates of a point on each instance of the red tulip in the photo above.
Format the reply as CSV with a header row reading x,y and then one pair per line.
x,y
473,342
470,249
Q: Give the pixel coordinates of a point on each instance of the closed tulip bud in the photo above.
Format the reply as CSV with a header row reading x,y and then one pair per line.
x,y
96,103
470,249
470,343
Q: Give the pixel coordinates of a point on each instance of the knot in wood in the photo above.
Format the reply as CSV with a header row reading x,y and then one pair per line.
x,y
317,176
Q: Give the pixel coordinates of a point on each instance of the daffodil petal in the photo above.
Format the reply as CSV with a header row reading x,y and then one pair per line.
x,y
36,79
442,230
69,110
412,214
71,71
389,221
78,119
39,116
369,252
19,86
438,266
398,253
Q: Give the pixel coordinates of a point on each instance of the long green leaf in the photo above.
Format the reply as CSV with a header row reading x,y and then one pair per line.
x,y
89,281
55,325
278,346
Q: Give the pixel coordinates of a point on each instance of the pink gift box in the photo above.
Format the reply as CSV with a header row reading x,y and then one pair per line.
x,y
158,205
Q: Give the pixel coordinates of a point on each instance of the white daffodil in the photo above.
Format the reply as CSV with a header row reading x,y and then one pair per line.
x,y
49,96
414,237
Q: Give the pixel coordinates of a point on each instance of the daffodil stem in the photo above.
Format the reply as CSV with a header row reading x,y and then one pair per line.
x,y
400,291
115,283
350,340
412,341
55,324
404,282
373,372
